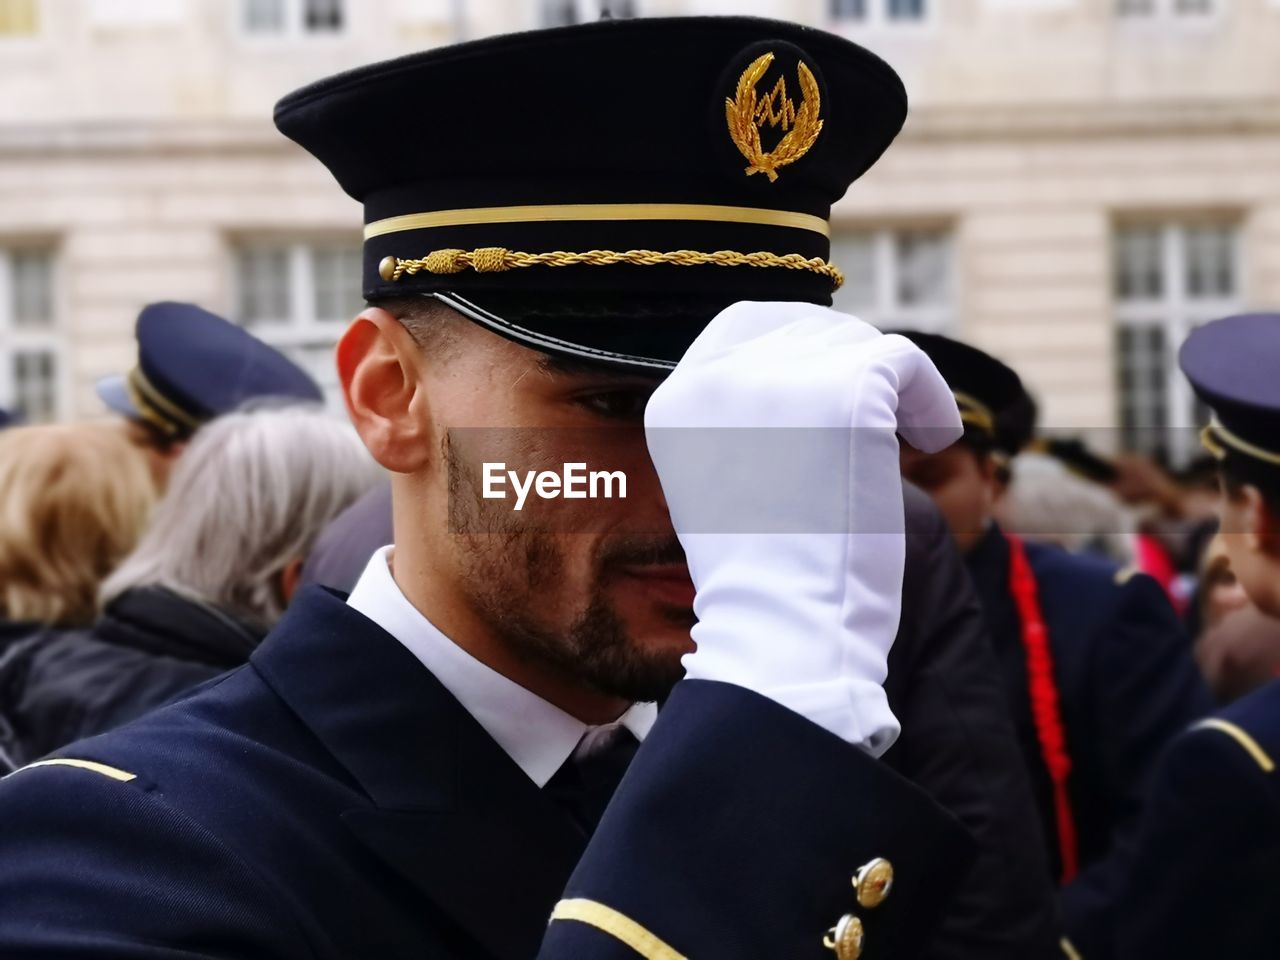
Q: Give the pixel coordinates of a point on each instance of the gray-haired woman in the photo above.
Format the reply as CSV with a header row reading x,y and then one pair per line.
x,y
211,575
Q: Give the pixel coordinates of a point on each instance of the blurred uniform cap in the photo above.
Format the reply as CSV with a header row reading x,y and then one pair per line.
x,y
603,190
1232,365
193,366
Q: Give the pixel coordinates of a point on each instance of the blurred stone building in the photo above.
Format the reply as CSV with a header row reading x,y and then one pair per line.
x,y
1079,183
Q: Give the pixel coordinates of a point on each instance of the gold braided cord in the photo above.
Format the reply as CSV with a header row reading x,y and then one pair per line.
x,y
499,259
155,407
974,411
1215,435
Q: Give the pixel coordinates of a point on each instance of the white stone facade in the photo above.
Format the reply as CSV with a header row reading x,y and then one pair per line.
x,y
137,153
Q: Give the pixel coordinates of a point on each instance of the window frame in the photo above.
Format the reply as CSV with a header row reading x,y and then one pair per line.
x,y
16,339
877,17
293,30
1164,13
302,328
585,11
888,312
1176,313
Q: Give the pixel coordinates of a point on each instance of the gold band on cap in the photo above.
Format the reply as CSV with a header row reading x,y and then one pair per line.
x,y
561,212
973,411
1216,438
155,408
500,259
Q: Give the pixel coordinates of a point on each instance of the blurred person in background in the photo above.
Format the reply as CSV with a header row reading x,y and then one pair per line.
x,y
211,575
1203,883
1176,519
1048,502
1095,662
193,366
73,502
1237,646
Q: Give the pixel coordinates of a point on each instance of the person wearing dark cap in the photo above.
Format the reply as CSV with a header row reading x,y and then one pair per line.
x,y
192,366
1203,883
434,767
1096,664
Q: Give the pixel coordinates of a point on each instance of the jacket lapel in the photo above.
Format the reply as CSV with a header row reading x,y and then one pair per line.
x,y
450,811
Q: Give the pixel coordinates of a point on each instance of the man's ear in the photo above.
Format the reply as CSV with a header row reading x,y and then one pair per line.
x,y
1249,516
1267,531
380,367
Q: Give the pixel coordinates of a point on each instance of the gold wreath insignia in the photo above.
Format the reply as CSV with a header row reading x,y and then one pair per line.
x,y
747,112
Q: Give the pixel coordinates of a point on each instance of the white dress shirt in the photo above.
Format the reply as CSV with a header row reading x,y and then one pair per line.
x,y
537,735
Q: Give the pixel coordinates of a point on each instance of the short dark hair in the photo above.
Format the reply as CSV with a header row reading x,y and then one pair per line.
x,y
429,322
1238,470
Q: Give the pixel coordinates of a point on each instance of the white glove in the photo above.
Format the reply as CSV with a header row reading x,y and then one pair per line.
x,y
795,536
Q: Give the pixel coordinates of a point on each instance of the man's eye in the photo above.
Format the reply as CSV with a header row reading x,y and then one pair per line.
x,y
617,404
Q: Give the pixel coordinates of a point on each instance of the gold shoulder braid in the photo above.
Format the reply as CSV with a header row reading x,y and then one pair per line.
x,y
499,259
747,113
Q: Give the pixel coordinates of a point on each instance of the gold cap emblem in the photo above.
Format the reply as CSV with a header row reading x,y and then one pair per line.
x,y
747,113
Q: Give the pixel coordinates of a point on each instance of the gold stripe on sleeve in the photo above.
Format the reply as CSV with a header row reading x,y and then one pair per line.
x,y
616,925
100,768
1237,734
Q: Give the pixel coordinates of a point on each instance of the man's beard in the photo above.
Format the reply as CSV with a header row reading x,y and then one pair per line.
x,y
506,564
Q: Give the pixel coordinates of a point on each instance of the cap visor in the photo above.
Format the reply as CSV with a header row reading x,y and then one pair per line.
x,y
634,333
112,391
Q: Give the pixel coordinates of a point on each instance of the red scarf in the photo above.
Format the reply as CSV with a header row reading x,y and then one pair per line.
x,y
1046,712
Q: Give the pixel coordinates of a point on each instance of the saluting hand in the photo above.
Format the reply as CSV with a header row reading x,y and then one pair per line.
x,y
775,443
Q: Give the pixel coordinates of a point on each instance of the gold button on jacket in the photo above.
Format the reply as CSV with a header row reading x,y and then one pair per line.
x,y
873,883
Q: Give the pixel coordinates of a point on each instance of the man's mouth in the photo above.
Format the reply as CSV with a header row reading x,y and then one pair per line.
x,y
669,582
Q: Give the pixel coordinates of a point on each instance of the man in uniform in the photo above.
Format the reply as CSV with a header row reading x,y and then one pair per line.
x,y
1097,667
1203,883
193,366
553,220
957,741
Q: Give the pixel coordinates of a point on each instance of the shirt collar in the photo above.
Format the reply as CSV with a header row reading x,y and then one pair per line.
x,y
536,734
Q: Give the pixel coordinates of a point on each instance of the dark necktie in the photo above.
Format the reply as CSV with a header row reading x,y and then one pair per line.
x,y
588,779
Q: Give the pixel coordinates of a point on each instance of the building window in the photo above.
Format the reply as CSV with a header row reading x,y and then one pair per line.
x,y
1163,9
562,13
849,9
31,344
879,11
18,18
896,278
1168,279
290,18
299,297
905,9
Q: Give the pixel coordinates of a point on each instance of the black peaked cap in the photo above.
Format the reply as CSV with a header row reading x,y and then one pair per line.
x,y
516,177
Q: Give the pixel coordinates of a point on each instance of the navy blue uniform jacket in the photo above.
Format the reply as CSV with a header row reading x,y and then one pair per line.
x,y
1204,880
1127,685
332,800
957,741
